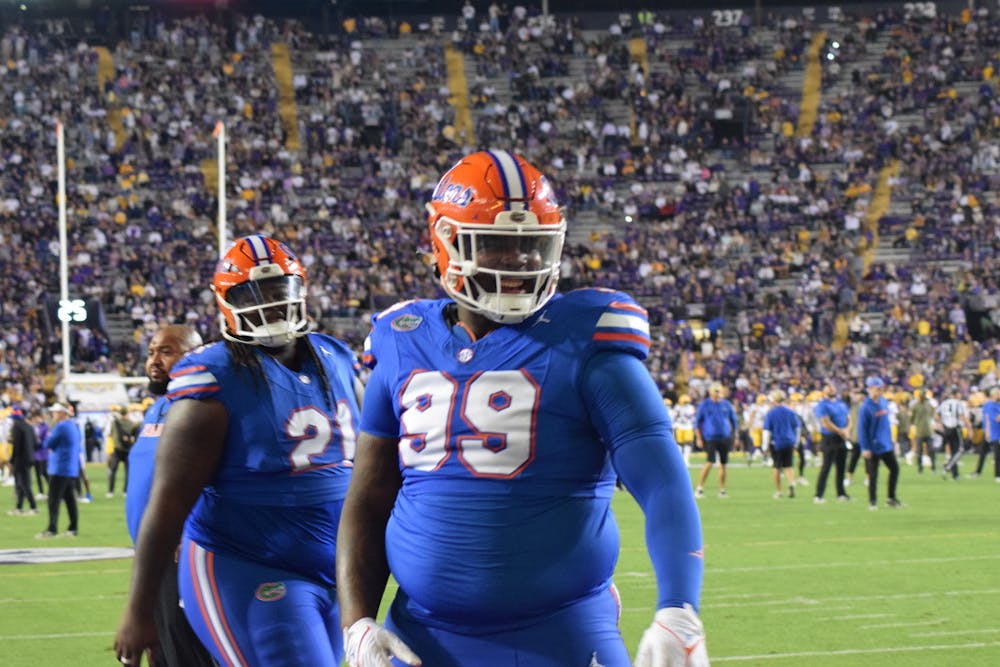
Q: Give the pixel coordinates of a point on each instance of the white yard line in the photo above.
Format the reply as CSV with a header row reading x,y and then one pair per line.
x,y
61,635
854,651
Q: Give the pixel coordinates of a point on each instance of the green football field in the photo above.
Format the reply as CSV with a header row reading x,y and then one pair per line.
x,y
787,582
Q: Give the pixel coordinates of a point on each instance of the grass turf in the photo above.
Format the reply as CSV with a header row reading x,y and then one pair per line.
x,y
787,582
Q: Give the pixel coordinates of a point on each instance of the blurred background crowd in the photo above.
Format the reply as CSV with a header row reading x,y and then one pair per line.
x,y
794,195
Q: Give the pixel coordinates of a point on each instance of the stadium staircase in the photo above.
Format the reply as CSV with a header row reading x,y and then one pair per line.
x,y
812,87
962,353
105,75
459,99
287,107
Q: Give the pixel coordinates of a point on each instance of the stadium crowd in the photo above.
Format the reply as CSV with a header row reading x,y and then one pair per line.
x,y
756,254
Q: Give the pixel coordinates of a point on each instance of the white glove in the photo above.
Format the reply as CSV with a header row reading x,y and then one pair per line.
x,y
675,639
849,445
368,644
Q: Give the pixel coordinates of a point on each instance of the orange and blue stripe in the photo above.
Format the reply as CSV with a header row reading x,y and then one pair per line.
x,y
192,380
623,322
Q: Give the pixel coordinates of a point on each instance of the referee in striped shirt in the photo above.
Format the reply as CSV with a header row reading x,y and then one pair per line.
x,y
952,417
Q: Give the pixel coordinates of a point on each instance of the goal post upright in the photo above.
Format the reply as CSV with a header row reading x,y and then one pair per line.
x,y
63,250
220,138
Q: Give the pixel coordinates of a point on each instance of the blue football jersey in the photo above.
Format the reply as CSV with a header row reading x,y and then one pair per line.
x,y
504,510
277,494
141,460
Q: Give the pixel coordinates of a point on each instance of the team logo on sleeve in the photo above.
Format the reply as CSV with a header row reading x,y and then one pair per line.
x,y
406,322
270,591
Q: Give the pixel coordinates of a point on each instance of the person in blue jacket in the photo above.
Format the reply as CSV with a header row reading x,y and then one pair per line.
x,y
781,434
178,645
63,443
991,432
715,423
875,440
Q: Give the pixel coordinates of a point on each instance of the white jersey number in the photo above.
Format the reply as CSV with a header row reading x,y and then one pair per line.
x,y
497,417
314,432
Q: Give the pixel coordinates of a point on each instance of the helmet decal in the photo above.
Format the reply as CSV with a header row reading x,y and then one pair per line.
x,y
512,179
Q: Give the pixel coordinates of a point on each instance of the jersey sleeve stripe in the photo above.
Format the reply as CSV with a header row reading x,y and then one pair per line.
x,y
621,305
200,389
182,381
187,371
616,321
625,337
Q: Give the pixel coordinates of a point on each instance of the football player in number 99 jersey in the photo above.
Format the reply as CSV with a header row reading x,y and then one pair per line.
x,y
256,446
493,428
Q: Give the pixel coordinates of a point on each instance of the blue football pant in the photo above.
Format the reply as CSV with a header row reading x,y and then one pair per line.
x,y
249,614
585,634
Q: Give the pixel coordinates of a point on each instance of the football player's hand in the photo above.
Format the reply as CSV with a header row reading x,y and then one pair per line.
x,y
368,644
675,639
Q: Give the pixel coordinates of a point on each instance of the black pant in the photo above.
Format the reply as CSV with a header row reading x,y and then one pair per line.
x,y
41,475
986,448
61,489
853,459
22,486
834,452
117,458
953,444
889,458
179,645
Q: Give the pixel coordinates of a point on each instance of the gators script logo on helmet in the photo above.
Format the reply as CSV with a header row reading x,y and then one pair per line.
x,y
259,285
497,233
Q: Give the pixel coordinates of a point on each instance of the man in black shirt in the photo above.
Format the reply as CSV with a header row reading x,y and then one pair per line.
x,y
24,442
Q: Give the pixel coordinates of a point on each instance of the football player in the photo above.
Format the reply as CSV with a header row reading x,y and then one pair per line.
x,y
256,446
683,417
494,425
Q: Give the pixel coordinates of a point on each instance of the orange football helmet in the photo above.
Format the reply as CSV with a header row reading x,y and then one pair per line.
x,y
260,287
498,234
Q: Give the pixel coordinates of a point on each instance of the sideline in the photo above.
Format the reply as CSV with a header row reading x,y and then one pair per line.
x,y
62,554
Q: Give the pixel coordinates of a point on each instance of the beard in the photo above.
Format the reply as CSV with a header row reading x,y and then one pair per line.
x,y
157,388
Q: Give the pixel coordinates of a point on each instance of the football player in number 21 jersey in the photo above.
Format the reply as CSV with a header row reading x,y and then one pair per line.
x,y
256,445
494,425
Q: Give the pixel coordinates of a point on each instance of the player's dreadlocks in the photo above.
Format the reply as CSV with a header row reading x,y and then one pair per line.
x,y
244,357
